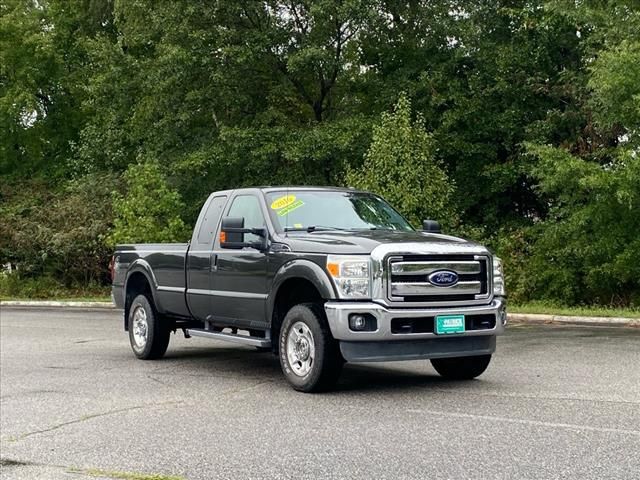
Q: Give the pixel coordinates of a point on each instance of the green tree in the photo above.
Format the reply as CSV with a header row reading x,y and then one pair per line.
x,y
150,209
585,252
616,89
42,59
516,95
400,165
582,250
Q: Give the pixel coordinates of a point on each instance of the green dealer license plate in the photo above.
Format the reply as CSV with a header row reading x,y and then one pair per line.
x,y
449,324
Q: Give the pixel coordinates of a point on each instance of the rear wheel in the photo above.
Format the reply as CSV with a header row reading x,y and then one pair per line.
x,y
309,356
148,337
461,368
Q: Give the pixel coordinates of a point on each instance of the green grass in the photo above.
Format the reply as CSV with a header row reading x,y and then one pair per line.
x,y
583,311
94,298
94,472
13,287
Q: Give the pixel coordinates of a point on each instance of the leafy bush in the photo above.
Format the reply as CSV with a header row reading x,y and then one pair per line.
x,y
150,210
400,165
17,286
59,234
586,251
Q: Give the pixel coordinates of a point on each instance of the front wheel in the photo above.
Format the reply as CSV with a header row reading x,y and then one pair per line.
x,y
461,368
309,356
148,337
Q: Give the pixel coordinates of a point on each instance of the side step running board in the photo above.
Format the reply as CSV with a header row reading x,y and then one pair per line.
x,y
230,337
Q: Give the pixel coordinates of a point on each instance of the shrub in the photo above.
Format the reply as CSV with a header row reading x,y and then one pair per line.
x,y
15,285
150,210
59,234
401,160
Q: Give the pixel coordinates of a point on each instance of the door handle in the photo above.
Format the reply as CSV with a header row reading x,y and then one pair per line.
x,y
214,262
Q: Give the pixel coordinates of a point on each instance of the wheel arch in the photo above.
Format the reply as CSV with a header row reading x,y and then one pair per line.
x,y
140,279
299,281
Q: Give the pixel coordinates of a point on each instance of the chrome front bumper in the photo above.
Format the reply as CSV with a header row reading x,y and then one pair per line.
x,y
338,317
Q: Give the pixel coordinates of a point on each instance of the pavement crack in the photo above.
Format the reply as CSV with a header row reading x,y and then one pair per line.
x,y
157,380
85,418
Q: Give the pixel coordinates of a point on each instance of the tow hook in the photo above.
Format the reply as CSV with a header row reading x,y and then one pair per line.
x,y
186,333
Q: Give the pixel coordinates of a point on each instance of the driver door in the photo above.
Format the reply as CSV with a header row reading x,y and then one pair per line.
x,y
239,280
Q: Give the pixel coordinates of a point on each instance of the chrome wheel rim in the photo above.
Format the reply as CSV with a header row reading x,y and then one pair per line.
x,y
301,350
140,327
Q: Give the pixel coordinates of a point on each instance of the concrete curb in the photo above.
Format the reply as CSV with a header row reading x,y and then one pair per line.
x,y
540,319
516,318
54,304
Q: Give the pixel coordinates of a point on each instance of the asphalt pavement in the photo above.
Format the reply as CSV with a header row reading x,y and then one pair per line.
x,y
556,402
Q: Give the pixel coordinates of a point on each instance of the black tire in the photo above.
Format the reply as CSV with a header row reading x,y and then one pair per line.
x,y
461,368
327,362
157,335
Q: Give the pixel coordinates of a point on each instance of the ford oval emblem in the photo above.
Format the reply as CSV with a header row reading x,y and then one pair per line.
x,y
443,278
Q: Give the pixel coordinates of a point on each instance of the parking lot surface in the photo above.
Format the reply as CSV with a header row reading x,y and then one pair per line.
x,y
556,402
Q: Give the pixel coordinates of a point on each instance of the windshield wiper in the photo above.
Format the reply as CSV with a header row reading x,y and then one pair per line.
x,y
312,228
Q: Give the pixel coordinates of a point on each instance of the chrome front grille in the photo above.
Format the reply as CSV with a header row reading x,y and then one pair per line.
x,y
408,279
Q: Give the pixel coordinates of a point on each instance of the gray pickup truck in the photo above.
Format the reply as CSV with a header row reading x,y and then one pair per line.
x,y
320,276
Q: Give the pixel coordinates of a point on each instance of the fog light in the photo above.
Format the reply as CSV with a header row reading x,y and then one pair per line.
x,y
357,322
362,322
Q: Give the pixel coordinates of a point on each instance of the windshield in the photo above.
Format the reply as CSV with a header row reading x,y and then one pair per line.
x,y
332,210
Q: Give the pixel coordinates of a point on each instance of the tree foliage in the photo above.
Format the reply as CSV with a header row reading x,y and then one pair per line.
x,y
400,160
529,107
150,211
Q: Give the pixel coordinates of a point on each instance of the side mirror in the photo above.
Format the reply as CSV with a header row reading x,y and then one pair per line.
x,y
232,234
431,226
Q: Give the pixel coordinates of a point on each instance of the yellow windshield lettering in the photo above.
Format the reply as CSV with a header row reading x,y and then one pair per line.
x,y
282,202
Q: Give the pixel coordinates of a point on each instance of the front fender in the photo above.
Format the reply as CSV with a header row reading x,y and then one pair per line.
x,y
301,268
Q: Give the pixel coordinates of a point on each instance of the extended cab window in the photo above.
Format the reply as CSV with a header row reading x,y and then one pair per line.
x,y
210,221
248,207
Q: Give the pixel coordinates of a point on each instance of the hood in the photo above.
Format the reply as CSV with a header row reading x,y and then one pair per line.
x,y
365,241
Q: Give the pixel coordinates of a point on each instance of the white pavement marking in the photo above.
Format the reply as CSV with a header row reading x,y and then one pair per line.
x,y
536,423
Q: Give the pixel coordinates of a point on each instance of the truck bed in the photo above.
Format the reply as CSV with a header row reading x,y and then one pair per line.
x,y
166,264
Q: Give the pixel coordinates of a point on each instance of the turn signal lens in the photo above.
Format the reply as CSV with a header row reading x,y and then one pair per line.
x,y
334,269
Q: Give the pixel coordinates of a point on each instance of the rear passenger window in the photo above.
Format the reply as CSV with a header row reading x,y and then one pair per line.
x,y
210,222
248,207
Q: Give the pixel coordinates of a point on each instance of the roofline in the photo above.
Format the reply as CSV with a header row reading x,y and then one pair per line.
x,y
289,188
268,189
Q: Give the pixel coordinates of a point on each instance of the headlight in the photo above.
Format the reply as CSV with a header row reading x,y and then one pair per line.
x,y
350,275
498,278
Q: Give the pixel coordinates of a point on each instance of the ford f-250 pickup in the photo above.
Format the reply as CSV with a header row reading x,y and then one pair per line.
x,y
320,276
